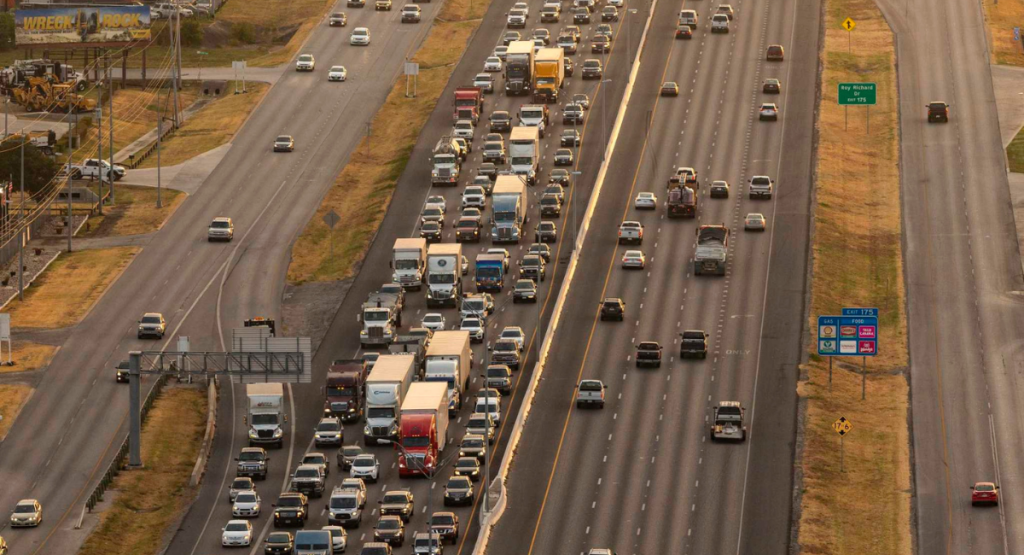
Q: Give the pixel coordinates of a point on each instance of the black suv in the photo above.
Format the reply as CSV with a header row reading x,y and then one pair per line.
x,y
291,509
122,371
613,308
279,543
592,69
500,121
525,291
693,343
938,112
252,462
572,113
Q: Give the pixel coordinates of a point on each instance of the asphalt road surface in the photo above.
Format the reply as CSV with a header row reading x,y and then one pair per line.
x,y
963,281
201,530
73,424
640,476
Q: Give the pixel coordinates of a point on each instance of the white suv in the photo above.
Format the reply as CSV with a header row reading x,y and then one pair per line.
x,y
360,37
474,195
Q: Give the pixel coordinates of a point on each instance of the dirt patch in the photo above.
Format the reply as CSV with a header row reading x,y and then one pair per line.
x,y
309,309
857,262
363,190
134,213
212,126
12,399
63,294
151,499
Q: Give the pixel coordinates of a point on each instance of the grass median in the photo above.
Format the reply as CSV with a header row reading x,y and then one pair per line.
x,y
65,292
858,262
134,213
212,126
12,399
361,193
28,355
1001,18
136,111
149,500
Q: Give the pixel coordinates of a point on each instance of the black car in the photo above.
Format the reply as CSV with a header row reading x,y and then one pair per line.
x,y
693,343
500,121
648,353
610,13
398,503
569,66
347,454
390,529
570,137
356,3
532,267
581,14
445,525
458,491
719,189
772,86
279,543
563,157
431,231
541,250
684,32
121,372
592,69
550,205
488,169
510,37
600,44
468,466
525,291
546,233
613,308
291,509
559,176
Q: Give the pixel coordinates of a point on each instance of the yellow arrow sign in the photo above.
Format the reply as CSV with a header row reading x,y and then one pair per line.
x,y
842,426
849,24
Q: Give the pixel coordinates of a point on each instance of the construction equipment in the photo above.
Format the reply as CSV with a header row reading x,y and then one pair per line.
x,y
17,73
44,93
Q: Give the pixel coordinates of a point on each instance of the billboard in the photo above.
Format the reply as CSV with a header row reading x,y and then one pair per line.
x,y
91,26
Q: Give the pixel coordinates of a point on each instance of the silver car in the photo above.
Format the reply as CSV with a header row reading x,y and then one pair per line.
x,y
221,229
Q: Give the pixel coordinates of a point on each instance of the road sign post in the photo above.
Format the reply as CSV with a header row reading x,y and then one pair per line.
x,y
842,426
854,332
849,24
331,219
858,94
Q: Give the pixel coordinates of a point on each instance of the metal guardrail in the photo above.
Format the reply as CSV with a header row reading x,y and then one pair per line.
x,y
122,453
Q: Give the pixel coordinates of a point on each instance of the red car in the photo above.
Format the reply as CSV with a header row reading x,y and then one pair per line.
x,y
984,492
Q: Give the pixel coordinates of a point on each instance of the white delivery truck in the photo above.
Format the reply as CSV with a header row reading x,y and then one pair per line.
x,y
524,153
508,209
450,360
385,389
409,262
265,416
444,274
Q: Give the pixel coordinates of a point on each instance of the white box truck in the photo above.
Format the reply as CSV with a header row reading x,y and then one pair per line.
x,y
265,416
524,153
444,275
508,209
409,262
385,389
450,360
424,429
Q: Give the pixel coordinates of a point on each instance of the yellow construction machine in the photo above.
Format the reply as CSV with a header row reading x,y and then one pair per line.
x,y
43,94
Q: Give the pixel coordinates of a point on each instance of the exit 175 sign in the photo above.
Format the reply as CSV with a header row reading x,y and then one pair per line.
x,y
857,94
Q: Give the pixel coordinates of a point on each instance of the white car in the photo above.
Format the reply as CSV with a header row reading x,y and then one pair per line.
x,y
475,196
645,201
306,62
337,73
616,3
769,111
522,6
634,259
485,82
247,505
489,405
515,333
436,200
464,128
365,467
475,327
503,253
500,52
433,321
237,533
755,222
360,37
339,538
28,512
492,64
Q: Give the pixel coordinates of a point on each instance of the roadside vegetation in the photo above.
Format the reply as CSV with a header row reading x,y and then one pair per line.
x,y
212,126
135,212
1015,153
65,292
12,399
858,263
28,355
148,501
361,193
1001,18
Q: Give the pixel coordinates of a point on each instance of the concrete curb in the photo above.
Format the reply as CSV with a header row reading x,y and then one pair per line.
x,y
487,522
211,427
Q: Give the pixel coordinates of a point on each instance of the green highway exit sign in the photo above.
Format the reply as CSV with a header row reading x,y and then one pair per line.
x,y
862,94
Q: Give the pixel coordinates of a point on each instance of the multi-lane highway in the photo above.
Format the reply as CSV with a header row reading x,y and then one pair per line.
x,y
640,476
201,530
963,272
69,430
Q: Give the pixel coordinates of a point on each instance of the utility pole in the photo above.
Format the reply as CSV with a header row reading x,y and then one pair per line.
x,y
70,223
110,123
159,132
21,241
99,154
174,61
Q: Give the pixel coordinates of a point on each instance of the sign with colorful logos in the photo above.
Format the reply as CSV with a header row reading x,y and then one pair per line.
x,y
854,333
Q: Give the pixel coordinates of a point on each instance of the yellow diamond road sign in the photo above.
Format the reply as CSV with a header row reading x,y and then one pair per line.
x,y
842,426
849,24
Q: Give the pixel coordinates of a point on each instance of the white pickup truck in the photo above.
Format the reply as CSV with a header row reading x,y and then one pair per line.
x,y
631,232
91,169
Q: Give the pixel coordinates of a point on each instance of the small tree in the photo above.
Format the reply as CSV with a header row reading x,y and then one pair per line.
x,y
191,33
7,31
39,168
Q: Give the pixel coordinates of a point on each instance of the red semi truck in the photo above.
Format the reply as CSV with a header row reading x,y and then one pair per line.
x,y
468,104
423,429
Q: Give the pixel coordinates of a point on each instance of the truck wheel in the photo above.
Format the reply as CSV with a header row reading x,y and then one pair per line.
x,y
712,433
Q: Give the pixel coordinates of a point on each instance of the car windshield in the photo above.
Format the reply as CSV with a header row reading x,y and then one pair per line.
x,y
477,423
314,459
251,456
279,537
472,442
25,509
524,286
389,524
352,451
246,498
305,58
337,69
361,32
328,427
984,487
241,483
348,502
456,483
307,473
590,386
363,462
498,372
236,527
505,346
442,520
466,463
470,324
284,139
221,225
395,498
150,320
